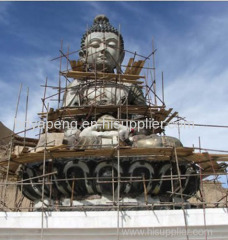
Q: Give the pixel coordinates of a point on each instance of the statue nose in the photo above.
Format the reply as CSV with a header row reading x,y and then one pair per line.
x,y
103,48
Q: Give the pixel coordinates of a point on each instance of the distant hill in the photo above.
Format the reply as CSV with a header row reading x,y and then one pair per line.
x,y
4,133
213,192
4,141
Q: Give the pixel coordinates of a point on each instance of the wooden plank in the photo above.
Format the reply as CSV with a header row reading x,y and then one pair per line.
x,y
170,118
137,68
19,138
104,76
208,162
77,65
80,65
140,68
73,65
162,115
129,66
55,148
219,157
107,152
205,161
158,158
27,144
133,68
142,110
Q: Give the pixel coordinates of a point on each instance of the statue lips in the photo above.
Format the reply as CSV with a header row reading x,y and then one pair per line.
x,y
106,57
102,58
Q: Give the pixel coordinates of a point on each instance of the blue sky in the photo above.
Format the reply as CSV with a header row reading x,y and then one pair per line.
x,y
191,38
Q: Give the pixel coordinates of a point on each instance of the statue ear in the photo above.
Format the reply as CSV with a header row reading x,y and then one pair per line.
x,y
118,67
122,56
82,53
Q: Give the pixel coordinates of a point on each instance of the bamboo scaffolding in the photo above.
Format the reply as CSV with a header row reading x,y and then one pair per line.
x,y
181,191
173,155
11,147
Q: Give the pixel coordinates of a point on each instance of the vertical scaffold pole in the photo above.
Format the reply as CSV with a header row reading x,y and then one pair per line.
x,y
26,114
199,145
118,162
181,191
118,192
44,164
203,194
163,92
154,73
60,68
11,147
43,102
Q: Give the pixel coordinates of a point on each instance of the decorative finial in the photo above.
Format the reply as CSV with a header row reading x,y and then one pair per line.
x,y
101,18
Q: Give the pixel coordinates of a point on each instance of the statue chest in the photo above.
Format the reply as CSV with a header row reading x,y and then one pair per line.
x,y
97,93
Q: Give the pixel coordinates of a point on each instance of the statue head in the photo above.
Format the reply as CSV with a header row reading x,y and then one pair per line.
x,y
102,46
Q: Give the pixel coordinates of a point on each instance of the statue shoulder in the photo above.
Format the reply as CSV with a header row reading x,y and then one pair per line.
x,y
74,83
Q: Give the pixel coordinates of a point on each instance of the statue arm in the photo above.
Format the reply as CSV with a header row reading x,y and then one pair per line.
x,y
71,96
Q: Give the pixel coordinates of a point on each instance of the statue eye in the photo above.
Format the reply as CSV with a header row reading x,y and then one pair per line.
x,y
95,44
112,44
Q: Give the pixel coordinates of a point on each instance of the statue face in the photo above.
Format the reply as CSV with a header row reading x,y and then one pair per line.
x,y
103,51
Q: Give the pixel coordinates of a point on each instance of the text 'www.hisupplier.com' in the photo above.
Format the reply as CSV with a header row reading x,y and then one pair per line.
x,y
166,232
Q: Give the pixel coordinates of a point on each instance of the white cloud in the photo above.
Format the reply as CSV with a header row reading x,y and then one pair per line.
x,y
203,100
31,72
4,17
93,8
194,86
196,79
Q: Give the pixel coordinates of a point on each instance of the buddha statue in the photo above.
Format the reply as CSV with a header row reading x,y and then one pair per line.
x,y
102,50
95,172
